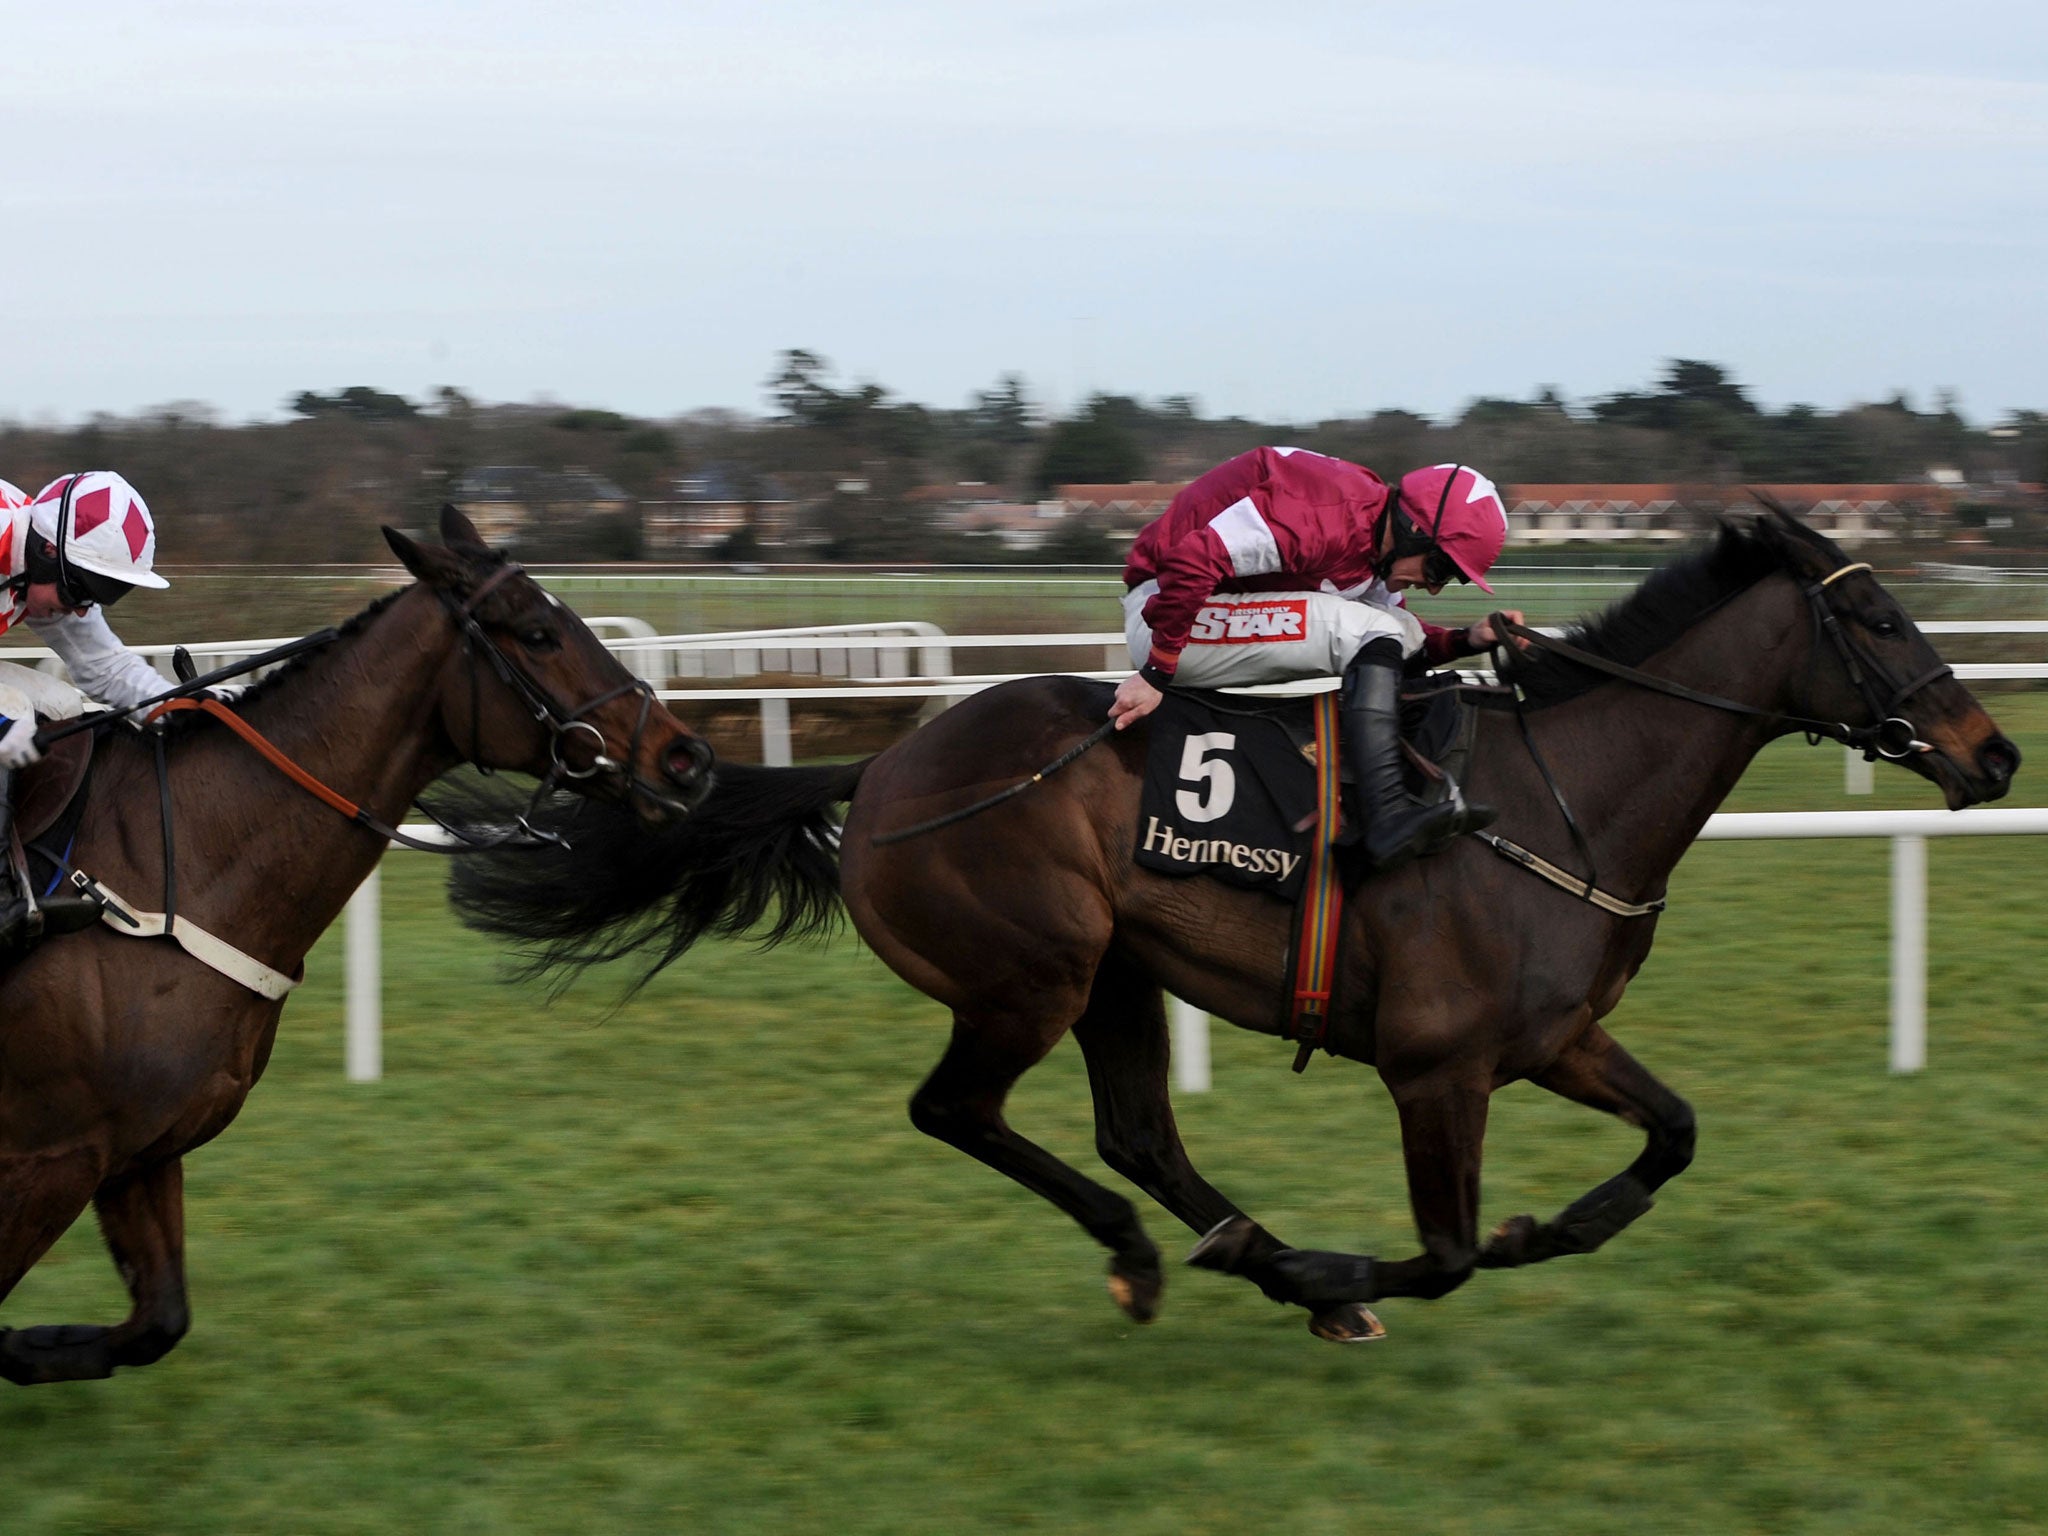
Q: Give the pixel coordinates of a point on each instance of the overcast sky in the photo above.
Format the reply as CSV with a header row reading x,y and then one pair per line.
x,y
1288,210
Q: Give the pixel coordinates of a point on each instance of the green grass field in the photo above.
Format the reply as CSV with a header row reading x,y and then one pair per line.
x,y
687,1267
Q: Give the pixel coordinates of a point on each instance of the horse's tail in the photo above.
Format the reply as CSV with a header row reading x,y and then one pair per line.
x,y
763,848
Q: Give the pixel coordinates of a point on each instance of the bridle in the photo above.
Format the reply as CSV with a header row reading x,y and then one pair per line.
x,y
561,724
1871,678
1890,734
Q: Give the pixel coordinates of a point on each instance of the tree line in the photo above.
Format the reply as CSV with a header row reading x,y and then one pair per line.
x,y
849,454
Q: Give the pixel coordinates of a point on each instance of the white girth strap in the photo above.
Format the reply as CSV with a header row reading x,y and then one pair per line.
x,y
200,945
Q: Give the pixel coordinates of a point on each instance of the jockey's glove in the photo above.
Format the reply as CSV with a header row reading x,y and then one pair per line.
x,y
18,742
227,693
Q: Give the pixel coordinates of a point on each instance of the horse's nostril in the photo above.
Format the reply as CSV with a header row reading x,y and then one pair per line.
x,y
1999,758
688,760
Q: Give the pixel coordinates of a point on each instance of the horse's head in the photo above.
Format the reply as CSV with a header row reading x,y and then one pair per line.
x,y
528,688
1871,666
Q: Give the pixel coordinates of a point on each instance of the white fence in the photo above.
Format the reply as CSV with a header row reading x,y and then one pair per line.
x,y
881,653
1908,831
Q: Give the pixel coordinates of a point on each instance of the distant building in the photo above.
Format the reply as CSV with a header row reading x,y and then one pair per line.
x,y
504,500
1553,514
704,509
982,511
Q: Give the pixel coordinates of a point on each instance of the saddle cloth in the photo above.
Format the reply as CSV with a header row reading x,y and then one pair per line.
x,y
1230,786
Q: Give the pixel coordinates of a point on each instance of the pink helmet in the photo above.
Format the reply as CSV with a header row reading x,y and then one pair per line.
x,y
99,524
1458,510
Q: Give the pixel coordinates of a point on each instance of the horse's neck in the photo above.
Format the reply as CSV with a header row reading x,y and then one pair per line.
x,y
1643,771
361,719
361,716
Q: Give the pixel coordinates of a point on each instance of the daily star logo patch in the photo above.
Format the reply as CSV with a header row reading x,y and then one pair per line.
x,y
1239,623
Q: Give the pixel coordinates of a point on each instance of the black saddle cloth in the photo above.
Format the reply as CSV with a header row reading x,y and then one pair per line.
x,y
1230,786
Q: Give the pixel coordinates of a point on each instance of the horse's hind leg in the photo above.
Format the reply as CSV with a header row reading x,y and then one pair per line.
x,y
1124,1039
961,1104
1598,1072
143,1219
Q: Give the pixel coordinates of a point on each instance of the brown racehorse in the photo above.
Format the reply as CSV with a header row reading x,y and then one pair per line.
x,y
1459,974
119,1055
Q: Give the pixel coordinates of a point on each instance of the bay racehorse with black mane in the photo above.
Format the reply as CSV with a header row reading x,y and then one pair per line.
x,y
118,1055
1458,974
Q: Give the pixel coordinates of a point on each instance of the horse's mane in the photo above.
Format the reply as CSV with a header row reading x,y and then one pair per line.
x,y
1669,603
177,725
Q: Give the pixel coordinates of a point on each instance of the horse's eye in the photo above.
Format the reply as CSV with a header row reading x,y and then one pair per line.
x,y
1884,629
537,639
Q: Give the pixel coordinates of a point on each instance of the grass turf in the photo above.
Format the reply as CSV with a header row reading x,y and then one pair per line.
x,y
687,1267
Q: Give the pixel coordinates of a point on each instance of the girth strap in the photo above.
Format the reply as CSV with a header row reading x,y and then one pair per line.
x,y
1565,880
209,949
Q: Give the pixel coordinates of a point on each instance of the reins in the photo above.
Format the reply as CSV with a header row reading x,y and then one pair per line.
x,y
1099,734
274,755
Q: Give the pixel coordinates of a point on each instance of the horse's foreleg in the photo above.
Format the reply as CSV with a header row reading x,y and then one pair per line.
x,y
1124,1040
1598,1072
1443,1123
143,1219
961,1104
1443,1126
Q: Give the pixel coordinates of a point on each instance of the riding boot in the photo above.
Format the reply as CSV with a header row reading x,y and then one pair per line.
x,y
20,922
1393,827
24,920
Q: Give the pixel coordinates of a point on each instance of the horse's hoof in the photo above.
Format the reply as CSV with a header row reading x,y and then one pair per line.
x,y
1136,1290
1351,1323
55,1352
1223,1246
1509,1244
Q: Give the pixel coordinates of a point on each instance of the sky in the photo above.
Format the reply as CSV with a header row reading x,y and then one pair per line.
x,y
1290,211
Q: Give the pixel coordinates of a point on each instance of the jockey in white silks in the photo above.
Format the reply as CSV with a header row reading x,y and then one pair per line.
x,y
82,544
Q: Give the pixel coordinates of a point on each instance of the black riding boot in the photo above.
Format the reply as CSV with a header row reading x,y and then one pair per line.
x,y
19,927
22,921
1394,828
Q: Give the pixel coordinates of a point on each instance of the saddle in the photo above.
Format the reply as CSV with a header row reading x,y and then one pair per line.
x,y
44,790
1235,789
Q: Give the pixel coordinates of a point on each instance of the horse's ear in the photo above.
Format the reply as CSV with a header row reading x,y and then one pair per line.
x,y
436,567
458,531
1773,507
1797,545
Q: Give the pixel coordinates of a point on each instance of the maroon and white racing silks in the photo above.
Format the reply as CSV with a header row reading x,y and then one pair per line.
x,y
1287,519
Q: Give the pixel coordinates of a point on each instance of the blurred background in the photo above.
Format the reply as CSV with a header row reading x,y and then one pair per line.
x,y
841,352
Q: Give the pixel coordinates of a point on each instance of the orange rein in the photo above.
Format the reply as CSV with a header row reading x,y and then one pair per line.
x,y
269,751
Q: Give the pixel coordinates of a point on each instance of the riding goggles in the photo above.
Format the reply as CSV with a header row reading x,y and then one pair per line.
x,y
79,588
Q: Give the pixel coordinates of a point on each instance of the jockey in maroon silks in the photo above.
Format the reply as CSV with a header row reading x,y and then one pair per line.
x,y
1282,564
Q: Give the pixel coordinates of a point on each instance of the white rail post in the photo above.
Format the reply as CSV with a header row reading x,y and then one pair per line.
x,y
775,748
364,1007
1859,773
1190,1046
1909,953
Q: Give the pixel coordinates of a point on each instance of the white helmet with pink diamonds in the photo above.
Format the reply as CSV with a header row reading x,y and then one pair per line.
x,y
103,533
